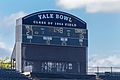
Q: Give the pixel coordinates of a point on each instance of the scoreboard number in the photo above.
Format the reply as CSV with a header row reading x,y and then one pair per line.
x,y
81,36
58,30
29,31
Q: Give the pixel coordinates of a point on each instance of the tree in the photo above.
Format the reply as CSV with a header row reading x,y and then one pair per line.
x,y
5,63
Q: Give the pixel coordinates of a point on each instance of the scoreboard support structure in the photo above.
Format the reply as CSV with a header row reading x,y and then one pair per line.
x,y
51,42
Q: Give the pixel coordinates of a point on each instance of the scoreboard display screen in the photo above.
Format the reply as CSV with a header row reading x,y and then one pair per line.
x,y
50,35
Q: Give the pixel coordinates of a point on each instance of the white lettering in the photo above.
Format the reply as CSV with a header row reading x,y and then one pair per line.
x,y
62,17
45,16
65,18
50,23
69,24
70,20
57,16
58,24
39,16
39,22
51,16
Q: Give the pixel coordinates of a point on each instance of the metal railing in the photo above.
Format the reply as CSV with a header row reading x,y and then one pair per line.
x,y
94,70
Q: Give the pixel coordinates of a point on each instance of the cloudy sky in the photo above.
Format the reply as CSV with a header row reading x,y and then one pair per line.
x,y
102,17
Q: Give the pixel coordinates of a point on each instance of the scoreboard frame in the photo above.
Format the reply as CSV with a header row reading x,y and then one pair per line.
x,y
27,54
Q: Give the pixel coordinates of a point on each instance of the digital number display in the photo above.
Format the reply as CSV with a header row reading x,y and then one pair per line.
x,y
48,35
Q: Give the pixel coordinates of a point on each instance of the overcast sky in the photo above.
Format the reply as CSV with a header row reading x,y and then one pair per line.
x,y
102,17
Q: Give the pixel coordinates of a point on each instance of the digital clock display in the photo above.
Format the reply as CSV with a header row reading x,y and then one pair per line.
x,y
50,35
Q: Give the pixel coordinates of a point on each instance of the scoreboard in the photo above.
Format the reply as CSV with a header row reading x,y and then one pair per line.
x,y
51,35
51,42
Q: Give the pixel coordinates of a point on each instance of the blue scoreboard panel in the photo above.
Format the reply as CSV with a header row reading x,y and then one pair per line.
x,y
57,36
53,42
